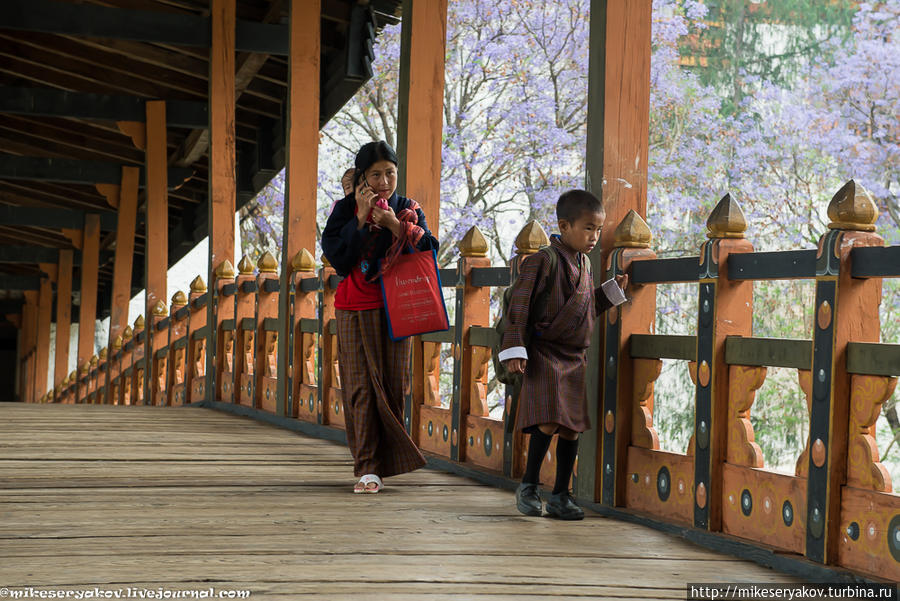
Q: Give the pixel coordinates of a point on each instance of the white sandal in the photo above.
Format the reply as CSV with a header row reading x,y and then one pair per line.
x,y
362,487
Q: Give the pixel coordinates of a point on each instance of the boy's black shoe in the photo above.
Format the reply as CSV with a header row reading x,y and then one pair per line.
x,y
528,501
562,507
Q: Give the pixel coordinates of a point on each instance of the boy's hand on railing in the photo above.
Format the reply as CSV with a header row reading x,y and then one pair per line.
x,y
516,366
622,281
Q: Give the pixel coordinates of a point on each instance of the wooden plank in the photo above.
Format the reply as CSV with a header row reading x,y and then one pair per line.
x,y
28,254
20,282
421,111
779,265
74,171
769,352
42,352
87,313
659,346
492,276
125,231
46,217
63,316
659,271
446,337
873,359
481,336
875,261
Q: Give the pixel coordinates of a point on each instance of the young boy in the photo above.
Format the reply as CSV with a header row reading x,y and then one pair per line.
x,y
552,399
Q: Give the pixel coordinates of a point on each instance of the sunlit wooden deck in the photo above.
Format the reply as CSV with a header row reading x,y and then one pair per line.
x,y
189,498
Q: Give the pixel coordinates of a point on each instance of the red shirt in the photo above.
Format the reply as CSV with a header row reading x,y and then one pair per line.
x,y
354,293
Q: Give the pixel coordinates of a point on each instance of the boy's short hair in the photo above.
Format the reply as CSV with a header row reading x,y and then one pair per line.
x,y
575,203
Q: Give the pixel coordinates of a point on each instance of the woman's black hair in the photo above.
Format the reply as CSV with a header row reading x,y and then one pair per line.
x,y
370,154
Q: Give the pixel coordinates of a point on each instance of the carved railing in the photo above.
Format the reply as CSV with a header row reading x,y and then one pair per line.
x,y
838,507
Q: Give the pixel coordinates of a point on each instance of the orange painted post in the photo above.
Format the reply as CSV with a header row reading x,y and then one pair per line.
x,y
618,130
63,316
126,367
177,357
245,334
125,229
42,348
222,153
303,402
302,162
330,399
114,372
267,334
158,358
222,320
846,311
87,314
626,412
422,56
195,371
157,242
29,338
140,363
725,309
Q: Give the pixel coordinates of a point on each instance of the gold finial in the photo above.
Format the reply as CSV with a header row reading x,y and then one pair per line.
x,y
852,208
85,367
325,261
128,333
531,238
225,269
632,232
103,354
139,323
267,263
179,299
67,380
303,261
245,267
72,376
726,220
198,285
159,309
95,361
117,343
473,243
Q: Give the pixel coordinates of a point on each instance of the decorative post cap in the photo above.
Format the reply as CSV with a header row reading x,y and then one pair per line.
x,y
726,220
67,380
72,375
139,323
159,309
85,367
225,269
95,361
632,232
179,299
325,261
531,238
303,261
198,285
245,267
267,263
103,354
117,343
852,208
127,333
473,243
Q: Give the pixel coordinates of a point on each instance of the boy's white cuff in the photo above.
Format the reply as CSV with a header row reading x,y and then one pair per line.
x,y
612,291
513,352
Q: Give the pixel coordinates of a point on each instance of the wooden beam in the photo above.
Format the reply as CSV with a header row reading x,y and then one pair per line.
x,y
26,353
87,313
302,159
42,350
51,218
48,102
28,254
139,25
63,316
422,55
71,171
20,282
121,294
156,254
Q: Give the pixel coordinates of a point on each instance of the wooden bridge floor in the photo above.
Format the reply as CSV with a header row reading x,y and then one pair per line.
x,y
191,499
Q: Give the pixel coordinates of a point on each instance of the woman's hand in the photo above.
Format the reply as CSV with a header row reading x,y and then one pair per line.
x,y
365,200
516,366
386,219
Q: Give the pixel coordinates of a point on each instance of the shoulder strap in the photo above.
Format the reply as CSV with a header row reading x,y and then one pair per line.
x,y
541,300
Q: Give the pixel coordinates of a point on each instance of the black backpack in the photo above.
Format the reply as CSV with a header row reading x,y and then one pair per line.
x,y
539,305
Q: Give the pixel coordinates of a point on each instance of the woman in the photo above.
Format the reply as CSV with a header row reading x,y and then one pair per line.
x,y
360,240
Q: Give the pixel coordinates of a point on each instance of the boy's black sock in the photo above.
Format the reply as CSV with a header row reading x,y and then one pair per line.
x,y
566,450
537,449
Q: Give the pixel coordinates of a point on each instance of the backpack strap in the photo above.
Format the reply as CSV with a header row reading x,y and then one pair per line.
x,y
541,300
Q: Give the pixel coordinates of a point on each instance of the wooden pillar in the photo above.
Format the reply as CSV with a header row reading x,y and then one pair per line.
x,y
302,162
618,131
63,316
422,55
846,311
29,336
87,314
121,294
222,149
157,247
42,349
